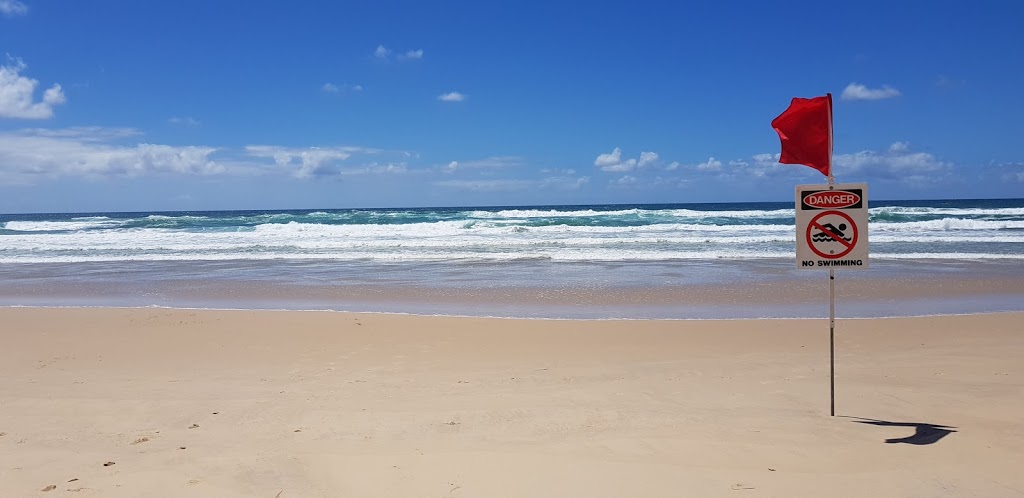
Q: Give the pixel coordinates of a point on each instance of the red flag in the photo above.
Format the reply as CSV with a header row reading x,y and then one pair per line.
x,y
805,129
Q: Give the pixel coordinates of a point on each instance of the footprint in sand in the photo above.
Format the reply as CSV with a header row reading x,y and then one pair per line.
x,y
140,440
193,426
49,488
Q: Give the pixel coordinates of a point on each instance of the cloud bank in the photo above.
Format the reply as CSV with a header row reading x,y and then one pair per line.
x,y
612,162
11,8
34,153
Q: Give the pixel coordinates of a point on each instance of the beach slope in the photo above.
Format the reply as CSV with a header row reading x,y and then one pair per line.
x,y
157,402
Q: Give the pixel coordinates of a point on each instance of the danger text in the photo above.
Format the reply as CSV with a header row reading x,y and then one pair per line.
x,y
832,199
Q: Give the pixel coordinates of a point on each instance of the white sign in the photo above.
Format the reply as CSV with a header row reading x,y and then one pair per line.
x,y
832,226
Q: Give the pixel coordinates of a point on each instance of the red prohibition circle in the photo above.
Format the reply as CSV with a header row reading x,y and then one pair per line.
x,y
814,224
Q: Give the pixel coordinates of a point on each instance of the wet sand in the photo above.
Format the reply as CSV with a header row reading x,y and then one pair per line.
x,y
743,289
155,402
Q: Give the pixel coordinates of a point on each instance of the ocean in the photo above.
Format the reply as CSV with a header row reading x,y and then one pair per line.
x,y
599,261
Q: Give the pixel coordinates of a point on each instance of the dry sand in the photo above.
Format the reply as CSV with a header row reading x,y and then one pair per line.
x,y
298,404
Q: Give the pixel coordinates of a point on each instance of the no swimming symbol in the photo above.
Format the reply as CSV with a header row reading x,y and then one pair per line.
x,y
832,234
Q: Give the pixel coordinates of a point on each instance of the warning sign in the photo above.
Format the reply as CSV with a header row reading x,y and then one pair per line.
x,y
832,226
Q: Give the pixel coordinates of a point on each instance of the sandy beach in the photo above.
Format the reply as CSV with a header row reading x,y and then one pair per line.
x,y
156,402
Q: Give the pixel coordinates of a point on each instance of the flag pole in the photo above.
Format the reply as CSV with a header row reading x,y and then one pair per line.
x,y
832,339
831,286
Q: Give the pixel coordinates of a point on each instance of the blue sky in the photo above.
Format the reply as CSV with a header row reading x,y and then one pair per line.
x,y
186,105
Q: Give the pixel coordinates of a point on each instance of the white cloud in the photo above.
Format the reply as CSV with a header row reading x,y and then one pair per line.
x,y
383,53
83,133
628,165
509,185
913,168
54,95
674,165
33,153
1012,172
493,162
765,165
306,162
451,97
896,163
671,182
488,185
759,165
626,180
564,182
452,166
857,91
333,88
560,172
376,169
29,155
612,162
16,94
712,164
610,159
184,121
13,8
412,54
647,159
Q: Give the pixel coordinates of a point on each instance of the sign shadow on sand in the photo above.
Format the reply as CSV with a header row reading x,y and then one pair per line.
x,y
923,433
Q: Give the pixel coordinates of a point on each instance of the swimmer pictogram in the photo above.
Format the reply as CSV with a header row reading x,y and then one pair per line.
x,y
829,233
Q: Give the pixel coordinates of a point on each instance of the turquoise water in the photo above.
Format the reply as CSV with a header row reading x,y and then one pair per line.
x,y
300,259
949,230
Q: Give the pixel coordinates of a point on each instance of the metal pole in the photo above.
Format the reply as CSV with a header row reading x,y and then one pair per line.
x,y
832,338
832,326
831,285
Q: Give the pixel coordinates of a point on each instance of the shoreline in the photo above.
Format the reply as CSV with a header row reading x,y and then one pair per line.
x,y
496,317
574,291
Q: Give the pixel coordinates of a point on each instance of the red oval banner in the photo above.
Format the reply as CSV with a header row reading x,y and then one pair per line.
x,y
832,199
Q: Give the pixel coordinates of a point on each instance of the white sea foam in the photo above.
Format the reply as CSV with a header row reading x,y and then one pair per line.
x,y
943,238
946,224
644,213
960,256
608,255
931,211
511,234
54,226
